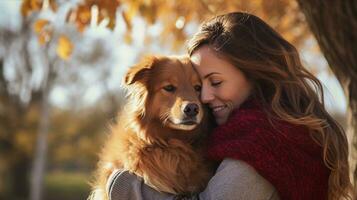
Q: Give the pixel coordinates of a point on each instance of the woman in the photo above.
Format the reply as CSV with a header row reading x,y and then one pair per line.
x,y
275,139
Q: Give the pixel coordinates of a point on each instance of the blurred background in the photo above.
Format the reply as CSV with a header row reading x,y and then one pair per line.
x,y
61,64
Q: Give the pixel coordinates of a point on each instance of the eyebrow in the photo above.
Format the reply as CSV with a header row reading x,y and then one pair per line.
x,y
210,74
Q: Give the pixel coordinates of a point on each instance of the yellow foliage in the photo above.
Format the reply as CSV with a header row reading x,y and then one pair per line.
x,y
81,15
127,19
64,153
24,141
84,14
83,19
85,144
39,25
71,130
283,15
107,10
43,30
64,47
133,10
44,37
29,6
33,114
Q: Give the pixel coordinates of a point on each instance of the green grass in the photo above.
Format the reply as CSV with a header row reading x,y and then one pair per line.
x,y
66,185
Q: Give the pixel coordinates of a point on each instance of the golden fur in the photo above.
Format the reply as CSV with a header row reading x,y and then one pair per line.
x,y
155,137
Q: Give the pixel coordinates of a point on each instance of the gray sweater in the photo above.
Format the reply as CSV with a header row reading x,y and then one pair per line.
x,y
233,179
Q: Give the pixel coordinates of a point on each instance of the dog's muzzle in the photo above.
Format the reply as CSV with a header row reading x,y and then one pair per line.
x,y
191,110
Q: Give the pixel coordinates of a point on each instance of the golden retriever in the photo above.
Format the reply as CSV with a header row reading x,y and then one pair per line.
x,y
160,132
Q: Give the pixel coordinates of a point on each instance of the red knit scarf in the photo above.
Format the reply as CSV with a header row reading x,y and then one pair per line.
x,y
285,154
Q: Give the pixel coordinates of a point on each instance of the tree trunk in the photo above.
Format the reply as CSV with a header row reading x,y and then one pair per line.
x,y
39,162
14,177
334,24
19,173
352,130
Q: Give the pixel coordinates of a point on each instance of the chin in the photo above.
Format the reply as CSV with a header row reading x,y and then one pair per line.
x,y
183,127
221,120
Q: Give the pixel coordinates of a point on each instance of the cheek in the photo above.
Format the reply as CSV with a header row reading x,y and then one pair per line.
x,y
242,91
160,104
206,92
153,104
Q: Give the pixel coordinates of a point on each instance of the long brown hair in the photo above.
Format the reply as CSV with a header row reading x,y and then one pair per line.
x,y
281,82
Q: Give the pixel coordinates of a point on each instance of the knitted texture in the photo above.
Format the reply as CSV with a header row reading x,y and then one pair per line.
x,y
284,154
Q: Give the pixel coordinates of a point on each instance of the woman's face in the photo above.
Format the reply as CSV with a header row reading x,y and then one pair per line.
x,y
224,86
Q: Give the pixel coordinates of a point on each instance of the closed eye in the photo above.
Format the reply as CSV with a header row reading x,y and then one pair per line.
x,y
198,88
169,88
215,84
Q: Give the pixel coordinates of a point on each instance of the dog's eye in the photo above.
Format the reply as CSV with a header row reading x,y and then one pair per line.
x,y
198,88
169,88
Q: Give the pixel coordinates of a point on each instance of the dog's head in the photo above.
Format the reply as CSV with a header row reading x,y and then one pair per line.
x,y
166,90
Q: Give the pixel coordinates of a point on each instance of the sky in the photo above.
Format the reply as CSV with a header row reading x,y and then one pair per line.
x,y
123,55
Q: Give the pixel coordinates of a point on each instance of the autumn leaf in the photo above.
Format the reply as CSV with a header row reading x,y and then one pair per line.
x,y
44,37
283,15
29,6
23,140
53,5
43,31
82,14
107,10
64,47
127,21
39,25
25,8
132,11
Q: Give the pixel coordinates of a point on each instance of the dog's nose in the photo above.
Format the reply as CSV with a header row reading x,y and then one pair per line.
x,y
191,109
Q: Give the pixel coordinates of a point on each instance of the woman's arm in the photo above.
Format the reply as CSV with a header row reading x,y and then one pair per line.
x,y
124,185
233,180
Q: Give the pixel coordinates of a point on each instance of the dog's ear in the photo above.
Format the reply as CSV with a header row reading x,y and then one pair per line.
x,y
140,71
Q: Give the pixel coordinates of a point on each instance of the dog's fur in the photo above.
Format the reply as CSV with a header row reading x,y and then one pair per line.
x,y
154,137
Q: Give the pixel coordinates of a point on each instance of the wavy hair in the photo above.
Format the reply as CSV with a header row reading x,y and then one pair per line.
x,y
281,82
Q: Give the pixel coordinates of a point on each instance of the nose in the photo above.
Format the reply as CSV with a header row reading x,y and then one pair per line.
x,y
206,95
191,109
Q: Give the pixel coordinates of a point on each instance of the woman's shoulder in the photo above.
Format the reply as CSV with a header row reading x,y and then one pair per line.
x,y
232,168
235,178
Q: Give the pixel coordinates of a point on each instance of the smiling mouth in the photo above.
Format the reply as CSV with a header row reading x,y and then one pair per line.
x,y
218,108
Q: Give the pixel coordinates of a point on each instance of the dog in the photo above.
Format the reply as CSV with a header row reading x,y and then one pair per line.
x,y
161,130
